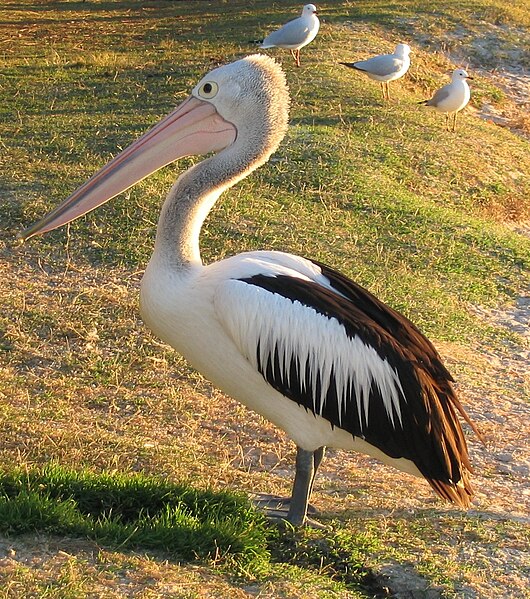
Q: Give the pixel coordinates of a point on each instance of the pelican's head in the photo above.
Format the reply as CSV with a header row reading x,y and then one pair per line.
x,y
459,75
245,102
402,50
308,10
252,95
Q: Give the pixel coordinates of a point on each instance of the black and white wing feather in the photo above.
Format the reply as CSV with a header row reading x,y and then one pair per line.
x,y
335,349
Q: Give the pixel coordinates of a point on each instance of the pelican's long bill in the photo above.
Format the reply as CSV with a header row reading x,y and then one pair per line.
x,y
193,128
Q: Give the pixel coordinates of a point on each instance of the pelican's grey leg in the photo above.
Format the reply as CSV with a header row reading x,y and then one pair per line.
x,y
294,509
307,463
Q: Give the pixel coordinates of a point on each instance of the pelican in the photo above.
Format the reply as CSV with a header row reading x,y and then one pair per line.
x,y
291,338
385,67
451,98
296,33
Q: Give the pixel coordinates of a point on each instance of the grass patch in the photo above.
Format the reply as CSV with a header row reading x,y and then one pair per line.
x,y
145,513
134,511
339,554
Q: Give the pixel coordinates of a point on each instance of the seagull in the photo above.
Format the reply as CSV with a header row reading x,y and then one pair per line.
x,y
289,337
451,98
296,33
385,67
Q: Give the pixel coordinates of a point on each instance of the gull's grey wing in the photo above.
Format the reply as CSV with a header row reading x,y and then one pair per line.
x,y
292,33
382,66
439,96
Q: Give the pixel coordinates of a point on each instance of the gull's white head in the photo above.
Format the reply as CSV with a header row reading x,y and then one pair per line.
x,y
460,74
308,10
402,50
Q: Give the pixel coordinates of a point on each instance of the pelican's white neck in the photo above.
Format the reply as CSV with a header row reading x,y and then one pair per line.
x,y
184,211
193,196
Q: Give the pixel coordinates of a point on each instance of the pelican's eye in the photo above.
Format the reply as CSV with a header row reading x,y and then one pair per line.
x,y
208,90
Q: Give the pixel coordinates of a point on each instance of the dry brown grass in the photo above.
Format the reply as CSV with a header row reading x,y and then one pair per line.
x,y
41,566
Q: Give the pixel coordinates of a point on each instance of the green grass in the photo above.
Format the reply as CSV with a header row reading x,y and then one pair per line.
x,y
428,220
134,511
146,513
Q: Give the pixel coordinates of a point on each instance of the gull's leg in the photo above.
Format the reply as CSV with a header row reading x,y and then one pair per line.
x,y
298,57
454,121
293,54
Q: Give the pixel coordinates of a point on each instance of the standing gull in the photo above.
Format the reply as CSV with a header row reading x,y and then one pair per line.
x,y
296,33
385,68
451,98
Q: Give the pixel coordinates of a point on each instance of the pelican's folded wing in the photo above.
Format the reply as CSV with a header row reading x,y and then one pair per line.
x,y
332,349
